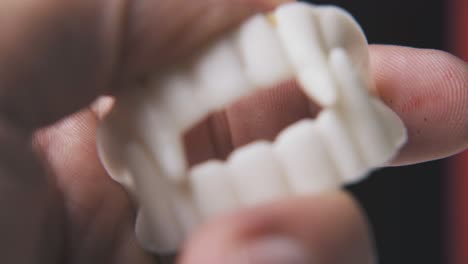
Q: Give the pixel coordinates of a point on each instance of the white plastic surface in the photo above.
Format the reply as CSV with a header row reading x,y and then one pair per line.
x,y
324,49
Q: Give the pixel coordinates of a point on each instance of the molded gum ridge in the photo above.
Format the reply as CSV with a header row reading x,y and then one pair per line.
x,y
324,49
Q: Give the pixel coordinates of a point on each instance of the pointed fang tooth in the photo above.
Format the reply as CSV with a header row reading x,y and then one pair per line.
x,y
163,141
111,153
340,30
299,31
368,130
156,204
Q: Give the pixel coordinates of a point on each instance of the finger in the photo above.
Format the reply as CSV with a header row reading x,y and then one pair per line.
x,y
57,56
328,229
428,89
99,216
46,56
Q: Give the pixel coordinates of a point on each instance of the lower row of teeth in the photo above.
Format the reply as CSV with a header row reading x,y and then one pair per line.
x,y
323,49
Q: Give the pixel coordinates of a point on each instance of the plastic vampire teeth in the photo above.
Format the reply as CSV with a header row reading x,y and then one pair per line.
x,y
321,47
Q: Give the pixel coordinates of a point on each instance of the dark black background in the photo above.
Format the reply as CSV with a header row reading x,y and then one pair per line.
x,y
405,205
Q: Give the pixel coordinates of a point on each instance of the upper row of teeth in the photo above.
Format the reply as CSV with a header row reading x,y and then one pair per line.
x,y
324,50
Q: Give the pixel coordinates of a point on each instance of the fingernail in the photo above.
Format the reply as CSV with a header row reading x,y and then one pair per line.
x,y
272,250
102,106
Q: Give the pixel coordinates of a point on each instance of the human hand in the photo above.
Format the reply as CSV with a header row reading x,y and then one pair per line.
x,y
57,56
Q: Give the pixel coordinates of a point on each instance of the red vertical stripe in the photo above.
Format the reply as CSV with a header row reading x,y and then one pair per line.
x,y
459,230
461,28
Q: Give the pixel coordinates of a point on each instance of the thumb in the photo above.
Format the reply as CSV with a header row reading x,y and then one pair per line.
x,y
325,229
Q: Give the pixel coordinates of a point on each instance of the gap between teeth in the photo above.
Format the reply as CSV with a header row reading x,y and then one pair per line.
x,y
324,50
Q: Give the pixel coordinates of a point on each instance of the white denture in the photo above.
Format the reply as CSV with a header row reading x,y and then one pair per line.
x,y
141,142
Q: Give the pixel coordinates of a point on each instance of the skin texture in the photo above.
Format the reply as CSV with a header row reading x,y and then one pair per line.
x,y
57,203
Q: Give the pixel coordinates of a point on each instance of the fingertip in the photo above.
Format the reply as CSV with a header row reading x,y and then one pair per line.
x,y
102,106
428,89
328,229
